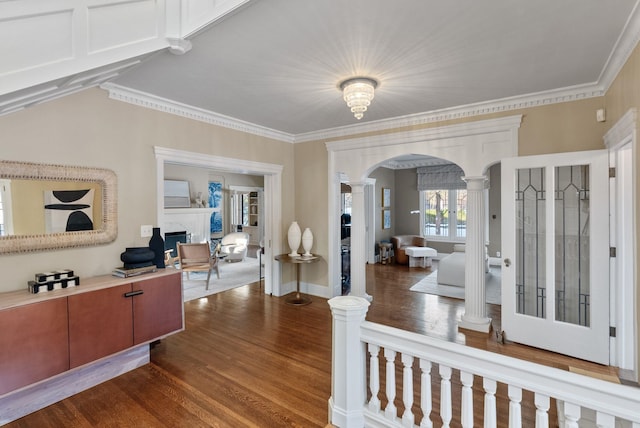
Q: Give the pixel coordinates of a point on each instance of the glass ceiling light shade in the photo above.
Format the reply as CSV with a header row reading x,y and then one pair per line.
x,y
358,93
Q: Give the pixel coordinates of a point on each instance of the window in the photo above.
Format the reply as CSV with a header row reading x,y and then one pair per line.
x,y
345,202
445,213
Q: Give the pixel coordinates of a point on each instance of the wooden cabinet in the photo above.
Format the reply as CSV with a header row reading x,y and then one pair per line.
x,y
33,343
107,321
100,324
49,333
158,310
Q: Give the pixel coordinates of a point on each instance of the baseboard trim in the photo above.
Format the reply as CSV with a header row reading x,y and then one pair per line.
x,y
34,397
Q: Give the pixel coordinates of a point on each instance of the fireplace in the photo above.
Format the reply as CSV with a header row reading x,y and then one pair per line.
x,y
171,240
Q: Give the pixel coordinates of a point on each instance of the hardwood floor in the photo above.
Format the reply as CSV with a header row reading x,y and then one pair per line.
x,y
246,359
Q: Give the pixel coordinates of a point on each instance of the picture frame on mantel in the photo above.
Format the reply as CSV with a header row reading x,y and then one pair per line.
x,y
386,218
386,197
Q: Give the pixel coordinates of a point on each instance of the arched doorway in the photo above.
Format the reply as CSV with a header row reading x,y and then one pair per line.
x,y
474,146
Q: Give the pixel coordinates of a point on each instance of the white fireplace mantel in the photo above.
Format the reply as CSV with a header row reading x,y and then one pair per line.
x,y
195,221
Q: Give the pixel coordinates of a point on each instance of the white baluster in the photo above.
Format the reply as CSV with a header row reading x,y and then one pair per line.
x,y
466,415
407,390
425,394
571,415
604,420
490,418
390,412
445,395
542,409
515,411
374,378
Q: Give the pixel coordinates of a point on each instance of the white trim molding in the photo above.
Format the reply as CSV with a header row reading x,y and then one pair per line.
x,y
143,99
272,198
474,146
555,96
622,50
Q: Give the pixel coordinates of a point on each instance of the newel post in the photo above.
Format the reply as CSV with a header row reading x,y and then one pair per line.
x,y
348,381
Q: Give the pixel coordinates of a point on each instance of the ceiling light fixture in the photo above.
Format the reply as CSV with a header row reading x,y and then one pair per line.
x,y
358,93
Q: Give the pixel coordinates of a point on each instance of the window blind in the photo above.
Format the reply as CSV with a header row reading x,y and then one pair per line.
x,y
440,177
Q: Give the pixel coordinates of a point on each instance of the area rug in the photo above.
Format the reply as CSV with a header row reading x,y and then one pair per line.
x,y
232,275
493,283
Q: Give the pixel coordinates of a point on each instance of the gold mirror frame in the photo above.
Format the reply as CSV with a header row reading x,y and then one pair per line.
x,y
33,171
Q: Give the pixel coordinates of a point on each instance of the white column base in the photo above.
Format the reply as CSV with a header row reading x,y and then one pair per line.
x,y
482,325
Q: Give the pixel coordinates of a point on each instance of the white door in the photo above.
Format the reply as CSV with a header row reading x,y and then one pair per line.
x,y
555,249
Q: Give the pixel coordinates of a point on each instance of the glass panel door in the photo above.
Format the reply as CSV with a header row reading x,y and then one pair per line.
x,y
555,244
572,244
530,242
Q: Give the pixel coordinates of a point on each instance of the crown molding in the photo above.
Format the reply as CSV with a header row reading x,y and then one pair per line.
x,y
154,102
622,50
572,93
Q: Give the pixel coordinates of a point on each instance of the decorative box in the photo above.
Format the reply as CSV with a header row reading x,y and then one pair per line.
x,y
48,281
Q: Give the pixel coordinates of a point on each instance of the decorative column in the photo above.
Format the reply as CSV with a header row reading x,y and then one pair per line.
x,y
348,381
358,254
475,313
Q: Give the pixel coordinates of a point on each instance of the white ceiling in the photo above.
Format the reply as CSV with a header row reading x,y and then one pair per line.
x,y
278,63
275,65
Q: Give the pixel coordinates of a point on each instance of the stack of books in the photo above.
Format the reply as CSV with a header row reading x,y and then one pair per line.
x,y
123,272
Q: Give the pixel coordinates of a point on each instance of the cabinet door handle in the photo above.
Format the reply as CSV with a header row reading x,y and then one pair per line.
x,y
133,293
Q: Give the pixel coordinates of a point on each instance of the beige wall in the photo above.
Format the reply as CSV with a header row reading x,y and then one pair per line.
x,y
89,129
311,196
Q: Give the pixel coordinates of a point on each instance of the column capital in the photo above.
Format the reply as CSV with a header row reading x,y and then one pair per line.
x,y
476,182
357,186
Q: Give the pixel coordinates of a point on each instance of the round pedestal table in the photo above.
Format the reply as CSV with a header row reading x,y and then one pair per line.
x,y
296,298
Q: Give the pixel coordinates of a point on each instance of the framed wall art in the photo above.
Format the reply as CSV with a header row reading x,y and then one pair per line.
x,y
386,219
386,197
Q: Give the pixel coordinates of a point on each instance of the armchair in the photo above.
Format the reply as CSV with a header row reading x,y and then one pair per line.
x,y
400,242
234,246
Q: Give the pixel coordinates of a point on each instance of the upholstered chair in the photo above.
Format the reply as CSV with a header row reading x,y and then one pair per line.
x,y
400,242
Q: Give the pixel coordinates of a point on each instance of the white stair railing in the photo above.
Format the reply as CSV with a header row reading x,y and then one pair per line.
x,y
357,401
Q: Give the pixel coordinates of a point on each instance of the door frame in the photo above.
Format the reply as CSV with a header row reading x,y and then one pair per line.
x,y
621,141
272,197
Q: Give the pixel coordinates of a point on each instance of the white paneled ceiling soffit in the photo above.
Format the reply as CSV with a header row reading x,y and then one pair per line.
x,y
53,48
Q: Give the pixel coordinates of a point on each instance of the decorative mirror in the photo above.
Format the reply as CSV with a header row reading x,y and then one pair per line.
x,y
45,207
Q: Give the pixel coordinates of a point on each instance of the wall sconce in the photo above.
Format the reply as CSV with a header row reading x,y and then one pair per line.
x,y
414,212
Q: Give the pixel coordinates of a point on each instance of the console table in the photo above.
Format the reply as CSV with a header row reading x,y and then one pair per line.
x,y
61,342
297,298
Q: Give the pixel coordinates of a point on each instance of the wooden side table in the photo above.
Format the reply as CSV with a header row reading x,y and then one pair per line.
x,y
297,298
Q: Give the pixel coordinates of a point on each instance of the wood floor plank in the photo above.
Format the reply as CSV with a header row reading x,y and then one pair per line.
x,y
247,359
